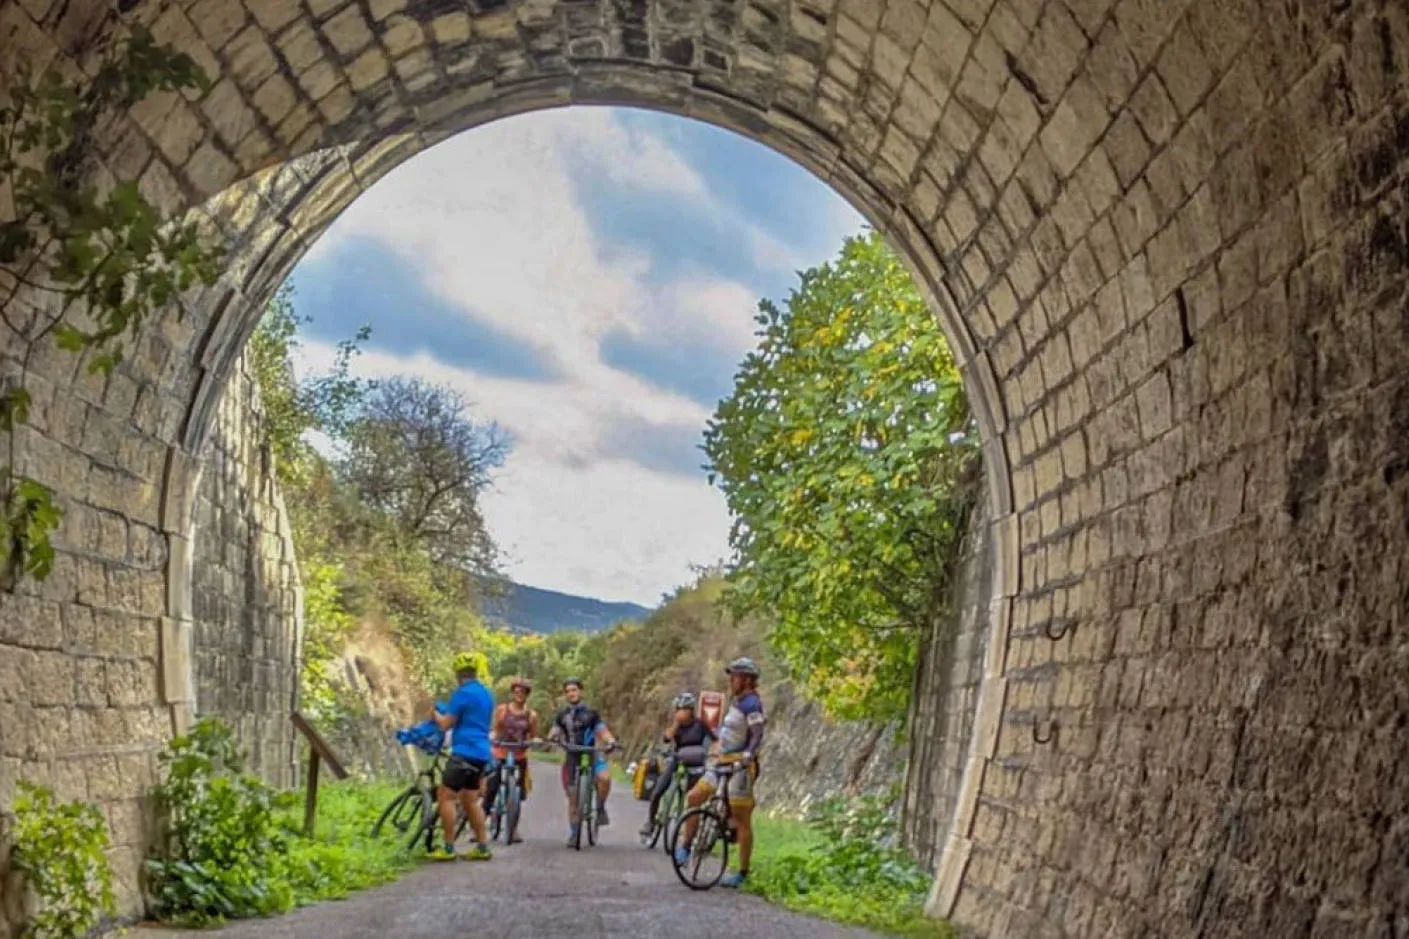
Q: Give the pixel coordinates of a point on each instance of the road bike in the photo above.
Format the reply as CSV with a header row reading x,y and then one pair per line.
x,y
585,788
503,815
708,856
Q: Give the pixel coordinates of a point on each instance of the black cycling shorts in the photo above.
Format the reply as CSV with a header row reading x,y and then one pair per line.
x,y
462,773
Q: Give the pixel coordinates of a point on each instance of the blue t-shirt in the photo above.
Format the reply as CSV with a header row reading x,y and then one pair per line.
x,y
472,706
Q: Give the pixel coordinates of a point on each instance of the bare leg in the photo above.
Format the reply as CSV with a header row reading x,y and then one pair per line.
x,y
697,796
474,811
743,824
446,800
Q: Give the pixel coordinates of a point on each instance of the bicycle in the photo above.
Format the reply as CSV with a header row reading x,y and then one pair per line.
x,y
670,807
585,784
714,829
414,808
508,800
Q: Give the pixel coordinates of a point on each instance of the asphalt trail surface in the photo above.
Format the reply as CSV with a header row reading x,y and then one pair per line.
x,y
540,889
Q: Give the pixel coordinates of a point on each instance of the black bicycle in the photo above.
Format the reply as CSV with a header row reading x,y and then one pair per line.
x,y
413,811
585,790
508,799
707,857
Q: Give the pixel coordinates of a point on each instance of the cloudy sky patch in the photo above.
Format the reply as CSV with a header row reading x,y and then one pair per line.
x,y
587,278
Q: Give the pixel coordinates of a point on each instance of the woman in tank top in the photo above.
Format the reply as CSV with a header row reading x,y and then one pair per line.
x,y
514,722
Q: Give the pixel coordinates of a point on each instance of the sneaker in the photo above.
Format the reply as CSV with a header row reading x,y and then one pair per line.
x,y
443,853
602,820
682,856
479,852
647,830
516,839
732,879
572,838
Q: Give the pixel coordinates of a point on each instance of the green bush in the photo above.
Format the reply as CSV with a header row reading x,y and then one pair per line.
x,y
220,855
843,864
61,849
232,847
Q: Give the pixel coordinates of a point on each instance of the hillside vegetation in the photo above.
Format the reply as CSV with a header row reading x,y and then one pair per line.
x,y
520,608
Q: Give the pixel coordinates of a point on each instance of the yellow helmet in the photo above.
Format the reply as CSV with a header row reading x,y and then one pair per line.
x,y
466,662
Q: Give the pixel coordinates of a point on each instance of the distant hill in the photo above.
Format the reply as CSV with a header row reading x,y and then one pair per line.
x,y
532,609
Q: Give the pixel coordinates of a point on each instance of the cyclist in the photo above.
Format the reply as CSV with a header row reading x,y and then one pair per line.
x,y
689,738
466,715
582,726
740,737
514,722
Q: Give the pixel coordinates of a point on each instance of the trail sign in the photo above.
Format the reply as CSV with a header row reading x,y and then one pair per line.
x,y
712,708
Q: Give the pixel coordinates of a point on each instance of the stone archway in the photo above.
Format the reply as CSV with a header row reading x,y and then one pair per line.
x,y
1166,239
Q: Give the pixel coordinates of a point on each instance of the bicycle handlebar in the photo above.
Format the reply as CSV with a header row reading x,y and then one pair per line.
x,y
577,748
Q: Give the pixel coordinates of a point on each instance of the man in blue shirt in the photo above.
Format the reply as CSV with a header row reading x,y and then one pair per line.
x,y
467,716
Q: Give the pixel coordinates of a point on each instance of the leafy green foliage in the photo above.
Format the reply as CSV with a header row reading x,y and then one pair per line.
x,y
292,408
108,255
61,849
233,847
843,453
843,864
221,836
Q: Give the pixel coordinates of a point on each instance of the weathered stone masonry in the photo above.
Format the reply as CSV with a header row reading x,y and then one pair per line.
x,y
1167,241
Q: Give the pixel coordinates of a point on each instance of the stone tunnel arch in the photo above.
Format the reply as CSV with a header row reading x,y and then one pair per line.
x,y
1167,240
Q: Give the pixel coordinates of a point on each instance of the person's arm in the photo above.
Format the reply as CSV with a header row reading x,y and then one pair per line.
x,y
532,725
604,733
755,739
670,730
555,733
443,720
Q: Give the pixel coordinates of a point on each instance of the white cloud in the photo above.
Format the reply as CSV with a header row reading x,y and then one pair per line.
x,y
490,222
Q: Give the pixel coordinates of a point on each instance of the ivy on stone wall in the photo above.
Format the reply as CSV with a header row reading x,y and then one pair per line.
x,y
83,262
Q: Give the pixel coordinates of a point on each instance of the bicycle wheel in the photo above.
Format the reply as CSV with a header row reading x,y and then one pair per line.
x,y
579,821
400,812
496,814
423,832
708,857
665,811
512,807
587,795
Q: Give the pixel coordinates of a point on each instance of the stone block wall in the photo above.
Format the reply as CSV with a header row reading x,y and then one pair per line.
x,y
943,705
245,588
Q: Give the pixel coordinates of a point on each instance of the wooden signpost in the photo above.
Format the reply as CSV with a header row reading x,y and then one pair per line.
x,y
318,752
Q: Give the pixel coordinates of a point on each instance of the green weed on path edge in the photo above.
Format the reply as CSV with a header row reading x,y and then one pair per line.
x,y
790,868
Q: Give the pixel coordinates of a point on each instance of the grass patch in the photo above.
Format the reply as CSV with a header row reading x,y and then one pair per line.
x,y
341,856
838,865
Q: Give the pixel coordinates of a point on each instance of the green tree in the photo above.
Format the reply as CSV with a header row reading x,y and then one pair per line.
x,y
846,452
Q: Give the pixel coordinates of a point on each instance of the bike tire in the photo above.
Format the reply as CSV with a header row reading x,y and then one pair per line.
x,y
588,792
496,814
661,821
394,812
513,808
709,837
424,832
672,817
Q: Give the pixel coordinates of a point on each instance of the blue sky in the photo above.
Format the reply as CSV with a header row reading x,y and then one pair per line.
x,y
586,277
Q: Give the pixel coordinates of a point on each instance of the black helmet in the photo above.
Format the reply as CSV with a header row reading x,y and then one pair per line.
x,y
683,700
573,680
743,665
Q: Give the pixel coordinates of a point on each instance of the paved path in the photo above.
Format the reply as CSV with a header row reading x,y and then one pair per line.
x,y
539,889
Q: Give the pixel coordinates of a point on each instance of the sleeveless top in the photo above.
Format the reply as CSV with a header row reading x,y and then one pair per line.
x,y
513,727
